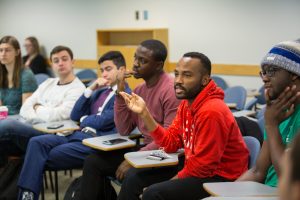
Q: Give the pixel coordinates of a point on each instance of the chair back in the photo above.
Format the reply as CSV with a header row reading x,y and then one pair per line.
x,y
220,82
251,104
261,98
261,124
40,78
253,146
236,94
86,74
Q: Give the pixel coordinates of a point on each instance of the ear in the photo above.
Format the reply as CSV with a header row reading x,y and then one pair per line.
x,y
205,80
160,65
122,68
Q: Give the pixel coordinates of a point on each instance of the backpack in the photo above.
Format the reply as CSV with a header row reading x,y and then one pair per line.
x,y
73,191
9,179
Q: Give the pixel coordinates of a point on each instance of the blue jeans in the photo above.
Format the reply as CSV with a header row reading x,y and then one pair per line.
x,y
53,152
14,136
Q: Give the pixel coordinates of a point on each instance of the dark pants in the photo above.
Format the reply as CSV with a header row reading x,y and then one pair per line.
x,y
137,179
55,152
187,188
160,187
97,167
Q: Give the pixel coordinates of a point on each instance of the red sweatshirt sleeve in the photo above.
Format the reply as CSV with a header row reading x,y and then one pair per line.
x,y
169,139
209,144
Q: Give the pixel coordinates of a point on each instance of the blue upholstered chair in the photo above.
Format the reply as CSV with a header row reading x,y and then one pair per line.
x,y
40,78
220,82
253,146
237,95
86,76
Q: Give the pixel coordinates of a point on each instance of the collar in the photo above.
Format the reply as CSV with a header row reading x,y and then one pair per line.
x,y
114,88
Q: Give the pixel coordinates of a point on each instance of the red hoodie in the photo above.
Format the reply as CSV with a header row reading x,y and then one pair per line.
x,y
210,136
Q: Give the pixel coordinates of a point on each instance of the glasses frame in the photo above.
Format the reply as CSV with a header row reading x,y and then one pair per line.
x,y
269,72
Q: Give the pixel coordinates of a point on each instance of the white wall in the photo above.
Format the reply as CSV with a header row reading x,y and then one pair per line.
x,y
228,31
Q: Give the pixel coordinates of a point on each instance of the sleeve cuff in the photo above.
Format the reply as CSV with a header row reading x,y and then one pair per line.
x,y
82,118
87,93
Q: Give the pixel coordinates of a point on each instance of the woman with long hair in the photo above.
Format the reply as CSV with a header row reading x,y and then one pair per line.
x,y
34,59
16,82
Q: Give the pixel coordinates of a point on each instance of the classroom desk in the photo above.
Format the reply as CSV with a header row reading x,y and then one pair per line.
x,y
139,160
97,142
69,125
240,189
231,105
253,93
244,113
16,117
241,198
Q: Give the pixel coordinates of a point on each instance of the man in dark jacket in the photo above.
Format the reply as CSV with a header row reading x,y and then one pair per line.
x,y
95,111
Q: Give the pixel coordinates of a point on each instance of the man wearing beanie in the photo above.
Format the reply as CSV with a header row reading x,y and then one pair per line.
x,y
280,74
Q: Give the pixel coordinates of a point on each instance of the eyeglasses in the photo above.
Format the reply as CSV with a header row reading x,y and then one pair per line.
x,y
269,72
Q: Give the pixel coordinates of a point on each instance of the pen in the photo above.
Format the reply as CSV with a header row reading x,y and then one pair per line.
x,y
154,158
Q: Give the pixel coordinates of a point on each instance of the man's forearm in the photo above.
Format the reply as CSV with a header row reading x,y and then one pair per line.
x,y
148,120
251,175
276,146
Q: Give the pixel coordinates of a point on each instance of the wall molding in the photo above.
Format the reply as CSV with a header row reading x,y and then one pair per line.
x,y
221,69
228,69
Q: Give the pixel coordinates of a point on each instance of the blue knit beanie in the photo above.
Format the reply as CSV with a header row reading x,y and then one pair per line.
x,y
285,55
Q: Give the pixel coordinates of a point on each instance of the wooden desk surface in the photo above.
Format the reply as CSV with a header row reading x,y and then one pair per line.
x,y
241,198
139,160
231,105
253,93
245,113
240,189
97,142
69,125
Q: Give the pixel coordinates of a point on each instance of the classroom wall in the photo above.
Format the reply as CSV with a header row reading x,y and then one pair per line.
x,y
228,31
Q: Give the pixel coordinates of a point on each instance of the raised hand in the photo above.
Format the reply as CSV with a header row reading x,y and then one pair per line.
x,y
121,76
281,108
134,102
100,82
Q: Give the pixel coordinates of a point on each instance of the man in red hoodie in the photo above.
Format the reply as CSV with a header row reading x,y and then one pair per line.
x,y
204,127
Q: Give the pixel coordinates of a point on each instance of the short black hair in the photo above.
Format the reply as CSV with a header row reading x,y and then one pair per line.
x,y
203,59
159,50
115,56
60,48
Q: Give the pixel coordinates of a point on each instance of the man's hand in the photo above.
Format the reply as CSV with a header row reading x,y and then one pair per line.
x,y
134,102
281,108
100,82
121,76
122,170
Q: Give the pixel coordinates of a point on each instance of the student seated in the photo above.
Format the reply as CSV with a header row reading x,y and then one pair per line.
x,y
33,59
95,111
289,181
280,74
204,126
16,82
52,101
158,92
